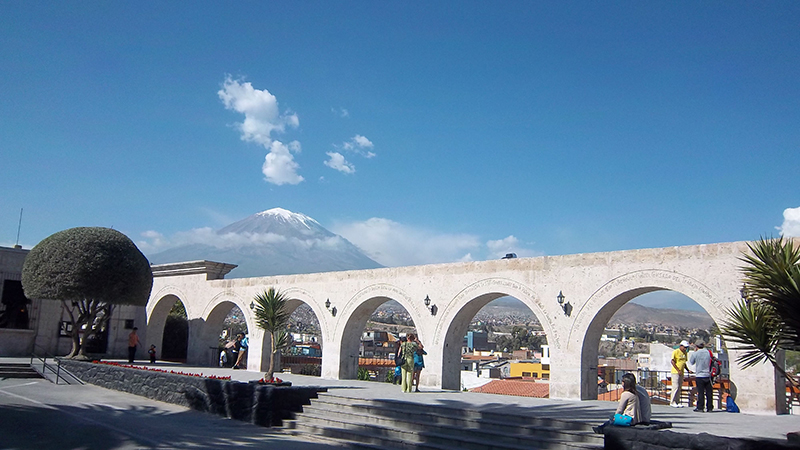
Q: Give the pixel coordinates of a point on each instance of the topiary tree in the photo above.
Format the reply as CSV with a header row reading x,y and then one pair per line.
x,y
89,269
273,317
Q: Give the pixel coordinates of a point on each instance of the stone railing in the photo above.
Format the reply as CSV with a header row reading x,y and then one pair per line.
x,y
263,405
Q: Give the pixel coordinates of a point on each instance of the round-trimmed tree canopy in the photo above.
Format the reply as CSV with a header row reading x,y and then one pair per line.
x,y
88,263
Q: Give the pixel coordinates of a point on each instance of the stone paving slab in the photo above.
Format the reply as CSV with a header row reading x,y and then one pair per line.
x,y
38,415
684,420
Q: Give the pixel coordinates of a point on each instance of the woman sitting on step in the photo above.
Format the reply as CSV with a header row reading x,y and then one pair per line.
x,y
628,412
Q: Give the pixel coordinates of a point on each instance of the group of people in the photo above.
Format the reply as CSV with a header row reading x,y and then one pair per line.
x,y
409,362
701,359
238,351
634,402
133,343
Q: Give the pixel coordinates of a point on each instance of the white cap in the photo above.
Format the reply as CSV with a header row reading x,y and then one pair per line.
x,y
685,343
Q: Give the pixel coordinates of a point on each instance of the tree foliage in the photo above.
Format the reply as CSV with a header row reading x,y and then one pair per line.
x,y
89,269
273,317
520,337
767,318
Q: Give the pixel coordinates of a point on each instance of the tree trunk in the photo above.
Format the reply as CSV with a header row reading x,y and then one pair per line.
x,y
271,371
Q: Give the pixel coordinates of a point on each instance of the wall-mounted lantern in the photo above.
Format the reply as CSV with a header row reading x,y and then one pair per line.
x,y
328,307
565,306
431,308
252,305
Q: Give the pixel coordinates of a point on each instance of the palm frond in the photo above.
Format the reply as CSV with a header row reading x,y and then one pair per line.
x,y
772,275
753,328
282,339
271,311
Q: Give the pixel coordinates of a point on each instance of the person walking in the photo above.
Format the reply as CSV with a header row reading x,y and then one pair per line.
x,y
133,342
398,361
701,359
152,353
244,344
678,366
409,348
419,364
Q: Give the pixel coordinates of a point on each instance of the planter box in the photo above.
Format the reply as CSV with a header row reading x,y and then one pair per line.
x,y
262,404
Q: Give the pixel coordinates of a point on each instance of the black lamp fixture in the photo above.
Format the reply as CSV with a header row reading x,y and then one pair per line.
x,y
252,305
431,308
328,307
565,306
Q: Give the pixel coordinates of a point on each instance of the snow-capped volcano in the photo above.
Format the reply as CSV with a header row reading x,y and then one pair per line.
x,y
273,242
278,221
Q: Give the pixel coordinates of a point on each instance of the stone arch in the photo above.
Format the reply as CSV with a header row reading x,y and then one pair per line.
x,y
204,330
354,316
457,315
594,314
157,312
297,297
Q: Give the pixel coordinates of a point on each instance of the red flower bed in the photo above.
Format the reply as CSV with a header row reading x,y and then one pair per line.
x,y
213,377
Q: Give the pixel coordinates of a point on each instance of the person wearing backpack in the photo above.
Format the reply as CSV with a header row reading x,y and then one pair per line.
x,y
701,359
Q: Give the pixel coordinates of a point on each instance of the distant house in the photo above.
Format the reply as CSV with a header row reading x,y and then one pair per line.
x,y
529,369
377,344
476,341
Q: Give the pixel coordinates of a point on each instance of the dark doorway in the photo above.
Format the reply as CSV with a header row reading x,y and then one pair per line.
x,y
15,313
175,344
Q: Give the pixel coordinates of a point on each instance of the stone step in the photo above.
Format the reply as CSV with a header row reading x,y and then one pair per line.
x,y
18,370
446,423
459,415
389,424
395,438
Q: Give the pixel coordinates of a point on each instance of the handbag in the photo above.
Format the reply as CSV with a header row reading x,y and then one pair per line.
x,y
398,359
622,420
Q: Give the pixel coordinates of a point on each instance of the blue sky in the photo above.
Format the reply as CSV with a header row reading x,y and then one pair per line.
x,y
421,132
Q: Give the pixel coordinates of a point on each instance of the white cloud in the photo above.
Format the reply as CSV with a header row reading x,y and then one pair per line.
x,y
359,144
394,244
155,242
338,162
510,244
791,223
262,118
279,164
341,112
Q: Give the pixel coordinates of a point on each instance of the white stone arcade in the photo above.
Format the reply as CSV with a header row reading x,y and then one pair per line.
x,y
596,285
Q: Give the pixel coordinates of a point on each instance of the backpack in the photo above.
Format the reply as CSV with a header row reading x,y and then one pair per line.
x,y
730,405
715,366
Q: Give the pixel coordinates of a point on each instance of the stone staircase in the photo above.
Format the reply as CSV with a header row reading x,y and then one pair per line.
x,y
393,424
18,370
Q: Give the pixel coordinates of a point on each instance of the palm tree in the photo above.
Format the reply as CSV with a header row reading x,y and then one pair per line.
x,y
767,319
272,316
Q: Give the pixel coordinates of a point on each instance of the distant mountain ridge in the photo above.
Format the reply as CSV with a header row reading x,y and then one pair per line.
x,y
273,242
629,314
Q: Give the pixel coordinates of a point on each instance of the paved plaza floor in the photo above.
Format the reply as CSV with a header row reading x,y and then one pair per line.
x,y
36,414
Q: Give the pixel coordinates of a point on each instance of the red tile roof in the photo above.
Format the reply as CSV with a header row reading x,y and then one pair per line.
x,y
515,386
373,362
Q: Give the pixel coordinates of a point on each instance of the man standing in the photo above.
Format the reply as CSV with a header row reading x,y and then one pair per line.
x,y
133,342
701,359
678,366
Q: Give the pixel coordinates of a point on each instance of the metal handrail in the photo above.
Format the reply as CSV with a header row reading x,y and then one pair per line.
x,y
56,371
